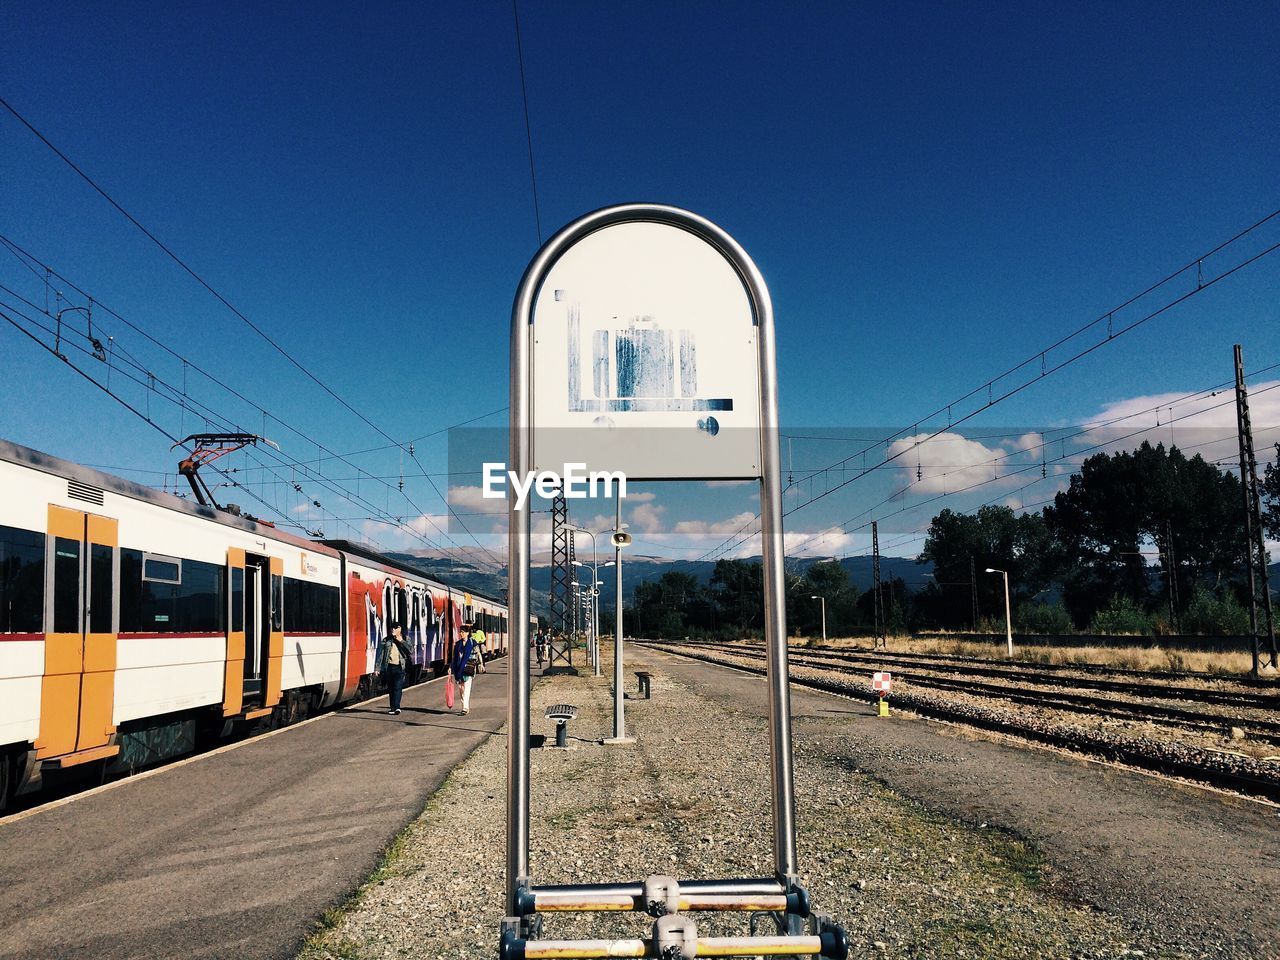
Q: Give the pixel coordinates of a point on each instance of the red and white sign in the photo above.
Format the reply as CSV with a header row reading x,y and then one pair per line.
x,y
881,681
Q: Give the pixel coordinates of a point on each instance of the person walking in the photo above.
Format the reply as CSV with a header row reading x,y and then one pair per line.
x,y
468,660
540,645
396,658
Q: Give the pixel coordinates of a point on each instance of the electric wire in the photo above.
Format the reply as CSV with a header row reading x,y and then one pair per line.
x,y
21,253
1045,369
528,128
189,270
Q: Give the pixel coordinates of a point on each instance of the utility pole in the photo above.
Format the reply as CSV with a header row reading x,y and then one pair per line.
x,y
973,589
881,640
620,539
1255,542
1171,571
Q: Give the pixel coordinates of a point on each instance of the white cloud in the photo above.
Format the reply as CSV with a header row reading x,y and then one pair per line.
x,y
715,528
1204,425
950,462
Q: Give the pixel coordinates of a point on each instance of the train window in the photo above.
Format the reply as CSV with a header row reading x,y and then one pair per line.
x,y
162,569
21,580
196,605
311,607
66,585
237,599
131,591
277,603
101,574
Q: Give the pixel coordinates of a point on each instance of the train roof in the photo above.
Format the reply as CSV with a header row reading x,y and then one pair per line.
x,y
368,552
47,463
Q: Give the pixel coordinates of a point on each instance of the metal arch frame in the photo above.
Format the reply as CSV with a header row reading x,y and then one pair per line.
x,y
520,455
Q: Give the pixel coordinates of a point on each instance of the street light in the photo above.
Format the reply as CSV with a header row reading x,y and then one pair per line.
x,y
1008,615
824,615
620,539
586,600
595,607
594,650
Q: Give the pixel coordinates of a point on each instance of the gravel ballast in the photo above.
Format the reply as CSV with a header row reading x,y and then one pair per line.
x,y
691,798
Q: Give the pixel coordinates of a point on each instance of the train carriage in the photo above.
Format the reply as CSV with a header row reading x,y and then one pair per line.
x,y
134,624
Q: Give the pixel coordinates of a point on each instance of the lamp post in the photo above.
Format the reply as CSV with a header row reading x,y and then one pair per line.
x,y
1008,615
594,650
824,615
584,591
619,539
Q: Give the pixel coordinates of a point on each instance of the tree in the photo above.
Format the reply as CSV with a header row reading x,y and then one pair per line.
x,y
992,537
1152,498
830,580
737,593
661,608
1271,497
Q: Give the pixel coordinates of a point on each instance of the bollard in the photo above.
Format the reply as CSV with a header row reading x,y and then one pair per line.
x,y
645,679
562,713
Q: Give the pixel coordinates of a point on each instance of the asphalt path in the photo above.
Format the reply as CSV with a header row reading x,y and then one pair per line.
x,y
234,853
1198,869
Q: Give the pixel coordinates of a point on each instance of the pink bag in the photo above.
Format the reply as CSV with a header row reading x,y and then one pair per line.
x,y
449,692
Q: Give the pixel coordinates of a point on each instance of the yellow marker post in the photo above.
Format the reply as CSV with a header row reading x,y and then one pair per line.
x,y
881,681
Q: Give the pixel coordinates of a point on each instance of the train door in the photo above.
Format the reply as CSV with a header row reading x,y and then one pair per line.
x,y
256,629
233,683
82,614
263,631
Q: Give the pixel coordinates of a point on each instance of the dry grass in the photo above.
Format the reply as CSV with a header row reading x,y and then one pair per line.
x,y
1156,658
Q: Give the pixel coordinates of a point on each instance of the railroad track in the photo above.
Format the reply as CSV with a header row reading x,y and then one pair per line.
x,y
1058,699
1051,675
1218,768
1086,668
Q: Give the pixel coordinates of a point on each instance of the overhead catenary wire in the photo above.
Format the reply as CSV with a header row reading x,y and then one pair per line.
x,y
190,270
220,298
1080,430
24,256
528,127
1045,369
128,406
157,386
1033,466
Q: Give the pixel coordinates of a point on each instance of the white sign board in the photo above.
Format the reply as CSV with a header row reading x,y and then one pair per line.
x,y
645,359
881,681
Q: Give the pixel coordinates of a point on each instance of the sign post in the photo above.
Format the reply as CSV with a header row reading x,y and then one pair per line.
x,y
642,344
881,681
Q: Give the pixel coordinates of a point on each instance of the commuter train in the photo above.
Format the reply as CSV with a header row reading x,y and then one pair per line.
x,y
135,625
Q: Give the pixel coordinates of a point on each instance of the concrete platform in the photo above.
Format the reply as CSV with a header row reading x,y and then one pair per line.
x,y
235,853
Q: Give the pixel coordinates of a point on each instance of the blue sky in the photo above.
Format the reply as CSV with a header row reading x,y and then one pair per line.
x,y
933,191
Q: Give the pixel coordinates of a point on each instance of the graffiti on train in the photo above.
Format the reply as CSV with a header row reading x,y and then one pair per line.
x,y
411,606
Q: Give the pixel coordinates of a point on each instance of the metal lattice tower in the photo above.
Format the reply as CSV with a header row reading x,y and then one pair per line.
x,y
561,569
880,640
572,576
1255,542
